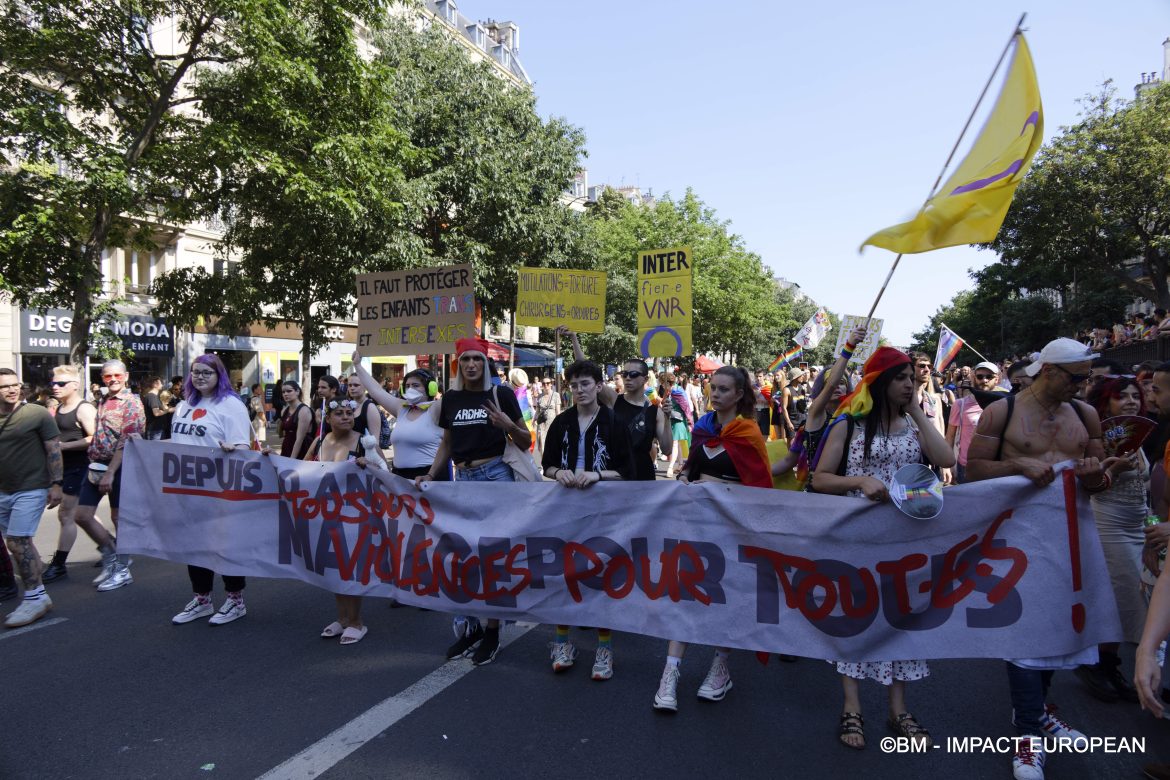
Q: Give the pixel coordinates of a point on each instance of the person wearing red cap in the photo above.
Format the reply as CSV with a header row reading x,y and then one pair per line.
x,y
477,422
883,431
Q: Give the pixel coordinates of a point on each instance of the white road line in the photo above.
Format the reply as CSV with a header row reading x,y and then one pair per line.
x,y
329,751
25,629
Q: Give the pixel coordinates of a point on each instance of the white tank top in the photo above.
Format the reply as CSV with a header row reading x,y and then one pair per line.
x,y
415,442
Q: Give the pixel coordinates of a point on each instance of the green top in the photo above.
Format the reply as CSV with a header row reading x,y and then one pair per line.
x,y
23,463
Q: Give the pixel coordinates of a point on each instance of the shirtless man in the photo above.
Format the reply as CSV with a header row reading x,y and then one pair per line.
x,y
1046,426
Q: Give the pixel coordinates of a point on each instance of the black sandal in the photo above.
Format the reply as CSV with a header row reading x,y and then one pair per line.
x,y
907,726
851,724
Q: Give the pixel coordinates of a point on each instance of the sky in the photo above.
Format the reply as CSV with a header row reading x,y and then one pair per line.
x,y
810,126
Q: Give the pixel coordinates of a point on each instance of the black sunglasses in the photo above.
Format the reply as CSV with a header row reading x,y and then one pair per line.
x,y
1076,379
58,383
630,374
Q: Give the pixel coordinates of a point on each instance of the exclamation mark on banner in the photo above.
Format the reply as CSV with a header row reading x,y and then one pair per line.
x,y
1074,545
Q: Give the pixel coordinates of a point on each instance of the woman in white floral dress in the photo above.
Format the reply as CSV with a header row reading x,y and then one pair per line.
x,y
888,432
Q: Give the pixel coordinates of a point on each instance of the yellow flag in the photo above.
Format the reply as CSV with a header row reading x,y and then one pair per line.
x,y
971,205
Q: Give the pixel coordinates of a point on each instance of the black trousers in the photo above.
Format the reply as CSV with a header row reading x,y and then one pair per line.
x,y
203,580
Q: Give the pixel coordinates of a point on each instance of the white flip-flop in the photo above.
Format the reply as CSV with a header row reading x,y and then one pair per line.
x,y
333,630
351,635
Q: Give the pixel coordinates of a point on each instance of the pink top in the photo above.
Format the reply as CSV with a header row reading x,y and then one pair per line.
x,y
965,417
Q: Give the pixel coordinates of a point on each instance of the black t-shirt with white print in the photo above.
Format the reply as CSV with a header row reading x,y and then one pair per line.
x,y
473,437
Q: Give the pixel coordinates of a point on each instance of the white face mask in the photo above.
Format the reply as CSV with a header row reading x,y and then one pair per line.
x,y
414,396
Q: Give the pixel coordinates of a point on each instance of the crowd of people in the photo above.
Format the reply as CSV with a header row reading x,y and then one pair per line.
x,y
835,431
1135,327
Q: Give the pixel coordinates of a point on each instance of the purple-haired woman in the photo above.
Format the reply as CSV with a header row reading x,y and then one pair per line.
x,y
211,415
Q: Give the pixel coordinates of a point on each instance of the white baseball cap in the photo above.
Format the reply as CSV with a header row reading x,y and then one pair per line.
x,y
992,367
1060,351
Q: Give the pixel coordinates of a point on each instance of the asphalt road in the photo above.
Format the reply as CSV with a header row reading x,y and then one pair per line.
x,y
106,687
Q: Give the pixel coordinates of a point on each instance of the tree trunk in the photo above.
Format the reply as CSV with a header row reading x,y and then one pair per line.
x,y
104,221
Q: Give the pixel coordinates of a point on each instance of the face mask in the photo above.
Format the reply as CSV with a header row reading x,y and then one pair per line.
x,y
414,396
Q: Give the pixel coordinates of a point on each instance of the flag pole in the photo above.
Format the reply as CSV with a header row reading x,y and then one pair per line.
x,y
951,156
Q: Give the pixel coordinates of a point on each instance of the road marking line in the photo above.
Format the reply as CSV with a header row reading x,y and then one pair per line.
x,y
329,751
25,629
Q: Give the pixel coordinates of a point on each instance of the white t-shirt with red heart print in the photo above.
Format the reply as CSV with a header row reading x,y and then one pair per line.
x,y
211,422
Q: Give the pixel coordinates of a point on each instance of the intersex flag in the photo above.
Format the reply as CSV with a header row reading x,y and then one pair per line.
x,y
971,205
814,330
949,345
785,359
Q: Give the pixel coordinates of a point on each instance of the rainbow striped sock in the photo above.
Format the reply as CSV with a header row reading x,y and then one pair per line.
x,y
605,638
562,634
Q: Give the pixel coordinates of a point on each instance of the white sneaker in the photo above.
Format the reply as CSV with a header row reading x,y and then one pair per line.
x,y
563,655
667,696
232,609
195,609
1027,764
1054,726
29,611
718,680
119,577
603,664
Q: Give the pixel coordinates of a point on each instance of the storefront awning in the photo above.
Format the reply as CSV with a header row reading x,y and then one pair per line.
x,y
535,357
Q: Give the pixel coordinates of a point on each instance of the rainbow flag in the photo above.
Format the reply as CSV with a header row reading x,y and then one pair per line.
x,y
949,345
785,359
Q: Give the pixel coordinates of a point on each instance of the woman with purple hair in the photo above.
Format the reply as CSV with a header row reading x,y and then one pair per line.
x,y
211,415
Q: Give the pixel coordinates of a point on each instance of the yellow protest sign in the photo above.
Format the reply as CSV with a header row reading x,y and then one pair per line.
x,y
548,297
415,311
664,302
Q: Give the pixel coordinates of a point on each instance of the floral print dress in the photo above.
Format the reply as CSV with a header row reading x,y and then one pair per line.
x,y
887,454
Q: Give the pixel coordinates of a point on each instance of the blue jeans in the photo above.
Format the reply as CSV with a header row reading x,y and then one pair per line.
x,y
495,470
1029,690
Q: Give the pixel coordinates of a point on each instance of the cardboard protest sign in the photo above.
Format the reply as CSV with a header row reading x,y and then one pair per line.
x,y
664,302
865,348
1006,569
417,310
548,297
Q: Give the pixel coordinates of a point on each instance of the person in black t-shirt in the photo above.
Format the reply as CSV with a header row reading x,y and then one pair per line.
x,y
157,413
477,421
644,422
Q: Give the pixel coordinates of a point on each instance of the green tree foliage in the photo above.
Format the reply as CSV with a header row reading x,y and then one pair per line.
x,y
311,181
1091,222
739,313
485,182
101,127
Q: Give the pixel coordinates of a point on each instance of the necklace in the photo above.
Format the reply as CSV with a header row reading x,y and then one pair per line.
x,y
1051,412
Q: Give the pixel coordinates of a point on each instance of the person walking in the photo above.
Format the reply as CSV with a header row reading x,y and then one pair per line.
x,y
878,430
416,437
211,415
30,482
728,449
75,420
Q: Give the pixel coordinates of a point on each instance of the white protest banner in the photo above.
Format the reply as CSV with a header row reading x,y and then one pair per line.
x,y
866,347
415,311
814,330
1006,570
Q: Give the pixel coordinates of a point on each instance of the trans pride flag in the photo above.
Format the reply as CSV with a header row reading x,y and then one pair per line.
x,y
785,359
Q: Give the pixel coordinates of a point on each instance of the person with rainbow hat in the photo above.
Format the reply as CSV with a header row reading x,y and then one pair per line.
x,y
883,431
477,422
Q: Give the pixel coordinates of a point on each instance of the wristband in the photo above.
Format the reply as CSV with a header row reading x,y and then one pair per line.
x,y
57,483
847,351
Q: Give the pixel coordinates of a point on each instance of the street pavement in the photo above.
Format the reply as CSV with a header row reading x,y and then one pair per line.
x,y
107,687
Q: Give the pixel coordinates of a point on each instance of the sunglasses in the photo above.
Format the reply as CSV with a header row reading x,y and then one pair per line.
x,y
984,377
630,374
57,383
108,377
1076,379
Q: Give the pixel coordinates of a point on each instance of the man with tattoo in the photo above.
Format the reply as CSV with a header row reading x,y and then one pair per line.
x,y
75,419
30,480
1027,434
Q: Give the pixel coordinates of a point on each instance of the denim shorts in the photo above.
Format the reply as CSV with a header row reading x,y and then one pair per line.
x,y
72,479
20,512
495,470
91,496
